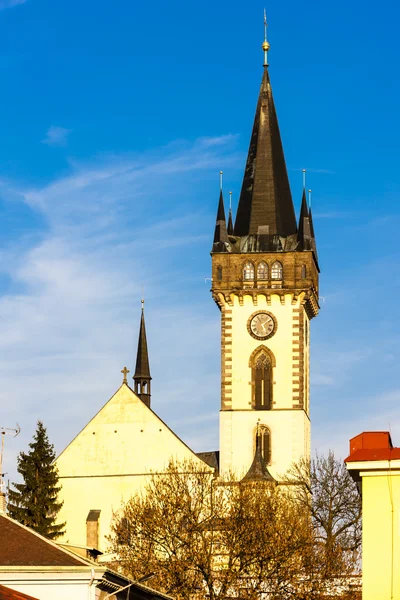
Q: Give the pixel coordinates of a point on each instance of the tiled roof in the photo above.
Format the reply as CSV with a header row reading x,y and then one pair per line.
x,y
22,547
8,594
371,454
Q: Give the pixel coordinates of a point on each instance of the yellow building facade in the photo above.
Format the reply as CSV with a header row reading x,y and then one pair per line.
x,y
375,465
109,461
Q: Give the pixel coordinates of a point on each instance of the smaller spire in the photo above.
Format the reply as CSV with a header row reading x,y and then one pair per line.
x,y
258,470
230,219
220,232
142,377
304,231
265,46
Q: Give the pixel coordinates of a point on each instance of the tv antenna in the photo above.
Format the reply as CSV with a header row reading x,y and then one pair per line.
x,y
3,432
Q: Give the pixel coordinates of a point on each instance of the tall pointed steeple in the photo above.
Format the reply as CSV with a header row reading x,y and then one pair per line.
x,y
142,377
265,204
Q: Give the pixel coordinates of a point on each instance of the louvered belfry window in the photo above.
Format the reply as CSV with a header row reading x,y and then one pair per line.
x,y
262,270
248,271
277,270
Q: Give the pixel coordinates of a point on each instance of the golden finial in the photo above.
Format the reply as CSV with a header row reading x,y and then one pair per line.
x,y
125,372
265,46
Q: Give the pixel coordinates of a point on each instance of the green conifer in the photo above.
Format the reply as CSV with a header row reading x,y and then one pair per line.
x,y
34,502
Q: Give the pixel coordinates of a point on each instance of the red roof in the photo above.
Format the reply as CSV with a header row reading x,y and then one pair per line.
x,y
22,547
372,446
7,594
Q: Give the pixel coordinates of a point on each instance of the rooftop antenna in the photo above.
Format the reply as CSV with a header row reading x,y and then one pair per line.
x,y
304,179
3,432
220,180
309,198
265,46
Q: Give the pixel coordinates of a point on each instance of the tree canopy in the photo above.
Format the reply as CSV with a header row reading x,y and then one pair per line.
x,y
34,502
206,537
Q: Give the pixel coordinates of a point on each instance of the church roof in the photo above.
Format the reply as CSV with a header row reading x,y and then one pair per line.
x,y
142,369
258,470
265,200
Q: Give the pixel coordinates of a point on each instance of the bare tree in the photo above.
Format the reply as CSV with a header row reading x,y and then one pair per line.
x,y
208,538
328,493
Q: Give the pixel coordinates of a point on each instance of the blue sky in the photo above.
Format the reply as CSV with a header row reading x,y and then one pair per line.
x,y
115,121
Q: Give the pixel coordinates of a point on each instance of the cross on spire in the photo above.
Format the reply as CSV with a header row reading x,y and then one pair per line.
x,y
125,372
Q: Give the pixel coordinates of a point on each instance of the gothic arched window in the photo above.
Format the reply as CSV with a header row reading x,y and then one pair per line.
x,y
265,439
248,271
261,379
277,270
262,270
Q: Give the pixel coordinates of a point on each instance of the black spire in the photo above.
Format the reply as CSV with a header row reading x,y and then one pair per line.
x,y
142,377
258,470
220,234
230,223
265,204
304,229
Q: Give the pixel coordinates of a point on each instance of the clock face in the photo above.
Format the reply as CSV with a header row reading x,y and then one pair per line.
x,y
262,325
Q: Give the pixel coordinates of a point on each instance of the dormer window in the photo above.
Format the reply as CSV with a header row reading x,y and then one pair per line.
x,y
248,271
277,270
262,271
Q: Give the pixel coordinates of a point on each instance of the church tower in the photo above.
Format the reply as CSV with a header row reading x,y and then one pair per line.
x,y
265,282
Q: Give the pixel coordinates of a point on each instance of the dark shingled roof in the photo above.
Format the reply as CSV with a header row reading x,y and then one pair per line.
x,y
8,594
265,199
142,370
210,458
22,547
258,470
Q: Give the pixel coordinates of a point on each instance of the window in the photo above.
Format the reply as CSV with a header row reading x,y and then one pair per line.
x,y
303,272
248,271
265,439
262,270
261,375
219,273
277,270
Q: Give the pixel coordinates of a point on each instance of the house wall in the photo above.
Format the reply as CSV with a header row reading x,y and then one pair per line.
x,y
381,534
52,585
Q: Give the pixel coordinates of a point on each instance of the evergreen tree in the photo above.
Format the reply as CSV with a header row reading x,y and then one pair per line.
x,y
34,502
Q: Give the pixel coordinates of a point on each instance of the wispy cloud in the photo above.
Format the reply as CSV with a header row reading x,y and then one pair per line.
x,y
56,136
10,3
69,316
